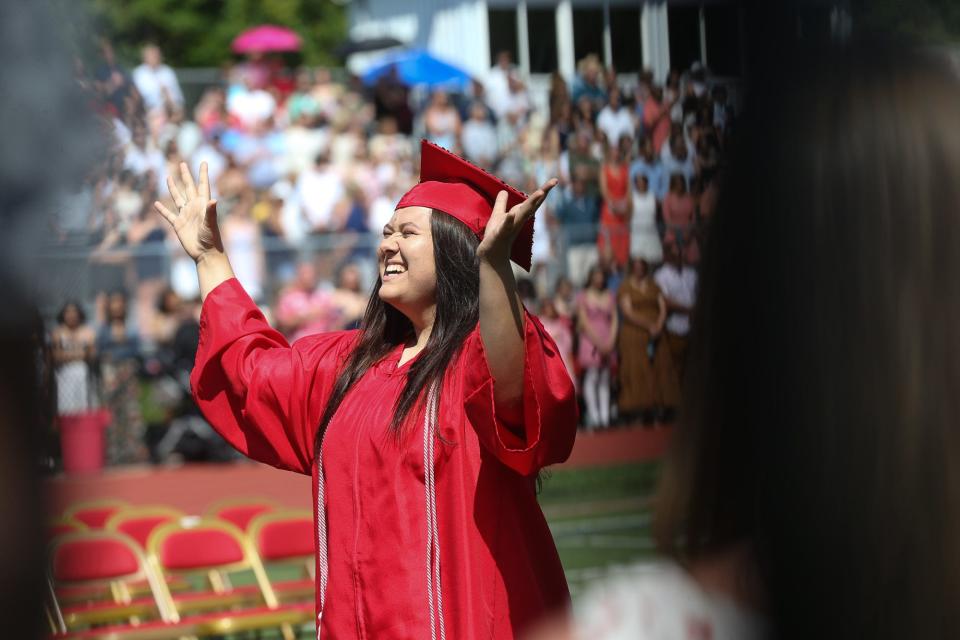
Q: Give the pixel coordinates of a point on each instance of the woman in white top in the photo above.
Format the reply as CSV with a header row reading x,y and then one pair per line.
x,y
644,237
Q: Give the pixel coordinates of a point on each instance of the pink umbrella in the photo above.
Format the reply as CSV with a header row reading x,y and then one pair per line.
x,y
266,38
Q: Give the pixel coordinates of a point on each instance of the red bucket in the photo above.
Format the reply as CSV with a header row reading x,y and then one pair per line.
x,y
81,440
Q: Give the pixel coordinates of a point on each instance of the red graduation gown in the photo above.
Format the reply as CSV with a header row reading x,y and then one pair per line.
x,y
498,565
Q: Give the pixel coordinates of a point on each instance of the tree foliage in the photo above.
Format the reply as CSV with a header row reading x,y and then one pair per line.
x,y
927,21
197,33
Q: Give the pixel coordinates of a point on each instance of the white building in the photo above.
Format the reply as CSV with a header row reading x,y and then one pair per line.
x,y
544,36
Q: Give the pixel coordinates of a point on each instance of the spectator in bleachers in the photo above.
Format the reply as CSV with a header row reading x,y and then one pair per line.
x,y
243,239
319,189
648,381
303,307
441,121
656,118
614,234
479,139
597,322
560,329
678,211
578,213
615,120
648,163
678,282
73,346
582,162
157,82
119,348
644,236
677,157
497,84
588,83
564,299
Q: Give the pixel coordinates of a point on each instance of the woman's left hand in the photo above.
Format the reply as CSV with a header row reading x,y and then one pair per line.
x,y
504,226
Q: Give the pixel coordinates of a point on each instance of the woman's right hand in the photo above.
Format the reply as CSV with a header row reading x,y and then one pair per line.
x,y
195,221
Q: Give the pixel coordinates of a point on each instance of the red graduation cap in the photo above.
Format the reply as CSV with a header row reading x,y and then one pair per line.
x,y
465,191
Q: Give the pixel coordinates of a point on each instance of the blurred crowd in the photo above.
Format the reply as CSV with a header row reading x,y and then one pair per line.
x,y
307,165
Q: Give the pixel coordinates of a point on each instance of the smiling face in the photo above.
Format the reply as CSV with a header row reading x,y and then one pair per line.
x,y
408,272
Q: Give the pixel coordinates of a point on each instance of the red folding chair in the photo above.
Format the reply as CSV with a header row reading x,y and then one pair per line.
x,y
108,561
204,546
240,511
95,513
284,539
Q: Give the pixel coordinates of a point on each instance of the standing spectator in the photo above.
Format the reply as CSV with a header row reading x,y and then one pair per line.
x,y
644,237
614,233
250,104
561,330
441,121
678,282
559,95
303,308
615,120
648,163
597,322
581,162
73,344
498,84
648,381
677,157
119,349
564,299
157,82
588,82
243,239
319,189
656,118
577,214
678,215
479,139
348,298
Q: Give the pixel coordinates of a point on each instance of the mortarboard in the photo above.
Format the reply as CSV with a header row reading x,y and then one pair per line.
x,y
450,184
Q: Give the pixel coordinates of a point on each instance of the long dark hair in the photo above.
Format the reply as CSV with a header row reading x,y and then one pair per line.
x,y
825,432
383,327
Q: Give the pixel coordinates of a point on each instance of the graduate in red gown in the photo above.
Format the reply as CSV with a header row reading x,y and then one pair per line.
x,y
423,431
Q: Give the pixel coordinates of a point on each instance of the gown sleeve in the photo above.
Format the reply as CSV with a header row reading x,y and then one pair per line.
x,y
549,423
262,395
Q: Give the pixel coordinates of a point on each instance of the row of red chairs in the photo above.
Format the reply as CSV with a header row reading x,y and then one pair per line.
x,y
145,573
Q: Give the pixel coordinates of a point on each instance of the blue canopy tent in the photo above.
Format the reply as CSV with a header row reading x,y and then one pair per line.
x,y
417,67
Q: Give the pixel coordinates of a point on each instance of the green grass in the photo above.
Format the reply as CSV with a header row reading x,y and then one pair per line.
x,y
600,518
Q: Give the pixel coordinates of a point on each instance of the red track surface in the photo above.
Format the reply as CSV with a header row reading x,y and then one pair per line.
x,y
194,487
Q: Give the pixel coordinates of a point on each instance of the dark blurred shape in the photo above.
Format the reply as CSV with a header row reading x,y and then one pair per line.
x,y
370,44
48,141
821,400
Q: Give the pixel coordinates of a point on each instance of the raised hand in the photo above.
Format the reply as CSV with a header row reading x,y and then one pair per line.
x,y
195,220
504,226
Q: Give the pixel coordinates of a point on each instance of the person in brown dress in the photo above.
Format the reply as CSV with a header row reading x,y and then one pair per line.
x,y
649,388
